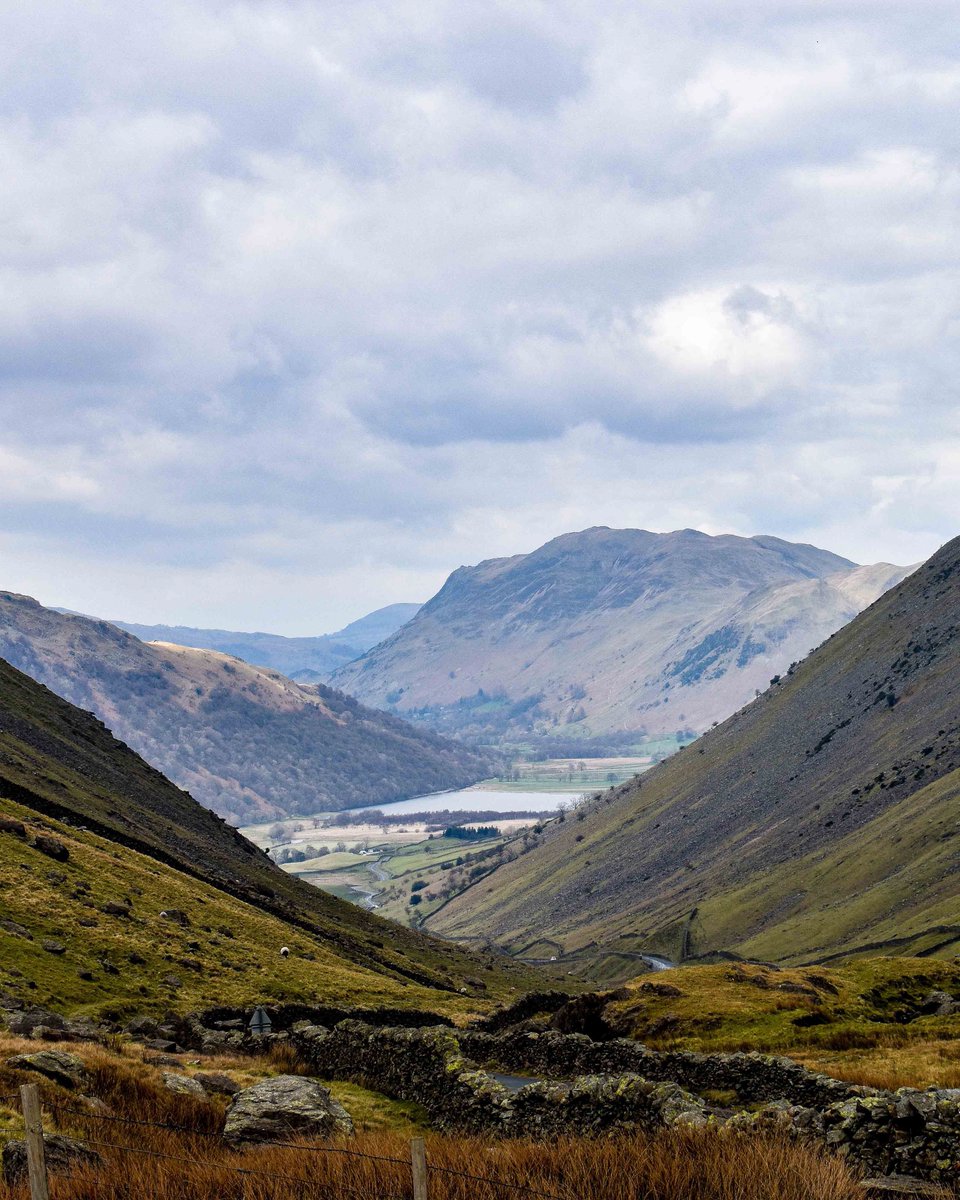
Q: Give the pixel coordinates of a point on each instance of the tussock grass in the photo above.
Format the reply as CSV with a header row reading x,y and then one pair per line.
x,y
892,1066
703,1165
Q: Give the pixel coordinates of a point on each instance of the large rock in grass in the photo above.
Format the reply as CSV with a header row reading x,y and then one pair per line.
x,y
183,1085
286,1107
62,1155
63,1068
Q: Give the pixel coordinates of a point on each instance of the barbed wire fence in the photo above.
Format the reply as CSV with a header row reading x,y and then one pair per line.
x,y
419,1172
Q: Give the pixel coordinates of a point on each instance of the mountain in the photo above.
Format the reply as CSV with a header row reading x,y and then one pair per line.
x,y
248,742
308,659
612,637
145,899
822,819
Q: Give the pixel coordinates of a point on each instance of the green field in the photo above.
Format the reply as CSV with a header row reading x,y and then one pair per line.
x,y
575,774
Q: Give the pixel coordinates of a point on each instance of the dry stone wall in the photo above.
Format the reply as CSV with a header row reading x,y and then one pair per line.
x,y
428,1066
753,1077
598,1088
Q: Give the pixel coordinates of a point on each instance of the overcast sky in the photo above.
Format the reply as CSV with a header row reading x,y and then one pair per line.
x,y
305,304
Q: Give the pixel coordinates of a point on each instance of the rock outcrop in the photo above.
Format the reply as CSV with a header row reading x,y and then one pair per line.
x,y
288,1106
62,1155
56,1065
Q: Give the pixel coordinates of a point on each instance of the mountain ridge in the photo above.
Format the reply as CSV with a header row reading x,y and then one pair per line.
x,y
299,658
815,822
246,740
611,634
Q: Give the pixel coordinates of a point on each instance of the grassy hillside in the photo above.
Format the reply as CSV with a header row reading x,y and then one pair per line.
x,y
70,939
245,740
611,637
128,828
732,1006
820,820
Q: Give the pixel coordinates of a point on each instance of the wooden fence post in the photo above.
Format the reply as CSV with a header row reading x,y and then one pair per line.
x,y
33,1126
418,1160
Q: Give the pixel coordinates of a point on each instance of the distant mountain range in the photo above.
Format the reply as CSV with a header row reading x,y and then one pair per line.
x,y
245,740
305,659
611,637
820,820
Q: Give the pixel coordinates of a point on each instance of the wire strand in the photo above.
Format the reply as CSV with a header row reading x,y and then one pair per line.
x,y
216,1166
87,1116
518,1187
358,1154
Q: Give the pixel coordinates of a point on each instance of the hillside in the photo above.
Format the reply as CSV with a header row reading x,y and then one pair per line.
x,y
308,659
139,846
818,821
246,741
611,638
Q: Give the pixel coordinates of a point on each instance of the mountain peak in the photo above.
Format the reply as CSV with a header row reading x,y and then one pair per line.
x,y
606,633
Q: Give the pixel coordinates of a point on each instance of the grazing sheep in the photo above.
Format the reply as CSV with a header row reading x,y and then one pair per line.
x,y
284,951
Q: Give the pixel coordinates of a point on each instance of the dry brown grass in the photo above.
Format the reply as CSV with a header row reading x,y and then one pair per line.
x,y
142,1161
893,1065
676,1166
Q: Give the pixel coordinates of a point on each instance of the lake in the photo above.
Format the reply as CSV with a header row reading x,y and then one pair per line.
x,y
477,800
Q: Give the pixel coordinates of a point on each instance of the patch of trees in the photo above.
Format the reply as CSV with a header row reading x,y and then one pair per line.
x,y
462,833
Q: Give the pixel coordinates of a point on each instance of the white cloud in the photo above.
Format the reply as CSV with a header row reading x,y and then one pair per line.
x,y
748,335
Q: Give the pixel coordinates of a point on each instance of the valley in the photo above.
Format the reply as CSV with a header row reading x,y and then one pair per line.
x,y
396,858
480,601
616,930
816,823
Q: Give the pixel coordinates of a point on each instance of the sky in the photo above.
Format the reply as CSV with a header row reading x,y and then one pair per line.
x,y
303,305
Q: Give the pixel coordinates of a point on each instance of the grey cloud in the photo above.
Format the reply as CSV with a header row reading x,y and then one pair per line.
x,y
270,274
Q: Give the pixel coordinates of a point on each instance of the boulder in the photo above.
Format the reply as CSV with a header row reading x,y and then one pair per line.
x,y
57,1065
16,929
62,1154
22,1024
53,947
51,847
177,915
940,1004
182,1085
9,825
284,1107
217,1083
163,1046
143,1027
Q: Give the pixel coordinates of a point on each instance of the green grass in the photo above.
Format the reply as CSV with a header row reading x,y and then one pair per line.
x,y
60,766
374,1111
732,1006
336,861
229,953
421,856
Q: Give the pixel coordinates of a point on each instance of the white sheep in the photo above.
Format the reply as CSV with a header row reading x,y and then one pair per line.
x,y
284,951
